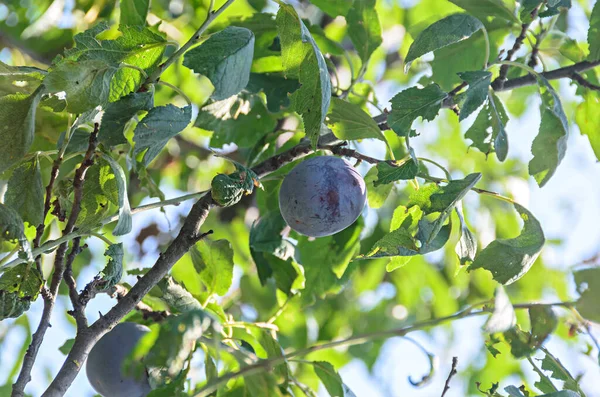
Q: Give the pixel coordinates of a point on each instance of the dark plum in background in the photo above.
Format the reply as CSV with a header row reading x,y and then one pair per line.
x,y
106,358
322,196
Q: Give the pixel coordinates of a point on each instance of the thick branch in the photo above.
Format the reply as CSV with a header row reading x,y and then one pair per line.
x,y
57,276
188,235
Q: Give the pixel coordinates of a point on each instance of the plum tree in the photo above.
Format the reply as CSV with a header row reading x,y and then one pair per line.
x,y
106,358
322,196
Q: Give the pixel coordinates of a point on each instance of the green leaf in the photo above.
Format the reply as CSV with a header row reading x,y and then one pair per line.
x,y
509,259
160,124
119,113
113,271
452,29
19,286
176,296
125,222
326,260
276,88
67,346
100,188
513,391
213,261
225,59
563,393
245,130
559,372
550,145
134,12
588,286
274,350
227,190
25,192
333,8
85,83
543,323
376,194
331,379
137,47
466,247
170,347
477,93
487,132
503,318
412,103
388,173
484,8
364,28
11,225
262,384
302,59
17,118
588,122
434,198
553,7
527,7
19,79
594,34
349,122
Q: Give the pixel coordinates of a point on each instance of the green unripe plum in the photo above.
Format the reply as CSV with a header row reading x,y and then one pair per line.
x,y
322,196
104,363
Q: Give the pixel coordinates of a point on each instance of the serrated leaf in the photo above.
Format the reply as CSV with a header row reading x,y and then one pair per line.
x,y
213,260
509,259
466,247
553,7
85,83
452,29
11,225
125,222
487,132
225,59
484,8
113,271
364,28
477,93
559,372
19,286
117,115
588,122
388,173
412,103
594,34
227,190
588,286
550,145
100,189
160,124
434,198
376,195
17,118
503,318
134,12
349,122
25,192
302,59
277,89
176,296
527,7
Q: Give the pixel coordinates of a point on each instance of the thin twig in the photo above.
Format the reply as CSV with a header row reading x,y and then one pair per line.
x,y
57,276
583,82
501,79
453,372
78,312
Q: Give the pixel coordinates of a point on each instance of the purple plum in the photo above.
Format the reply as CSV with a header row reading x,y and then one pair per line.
x,y
104,363
322,196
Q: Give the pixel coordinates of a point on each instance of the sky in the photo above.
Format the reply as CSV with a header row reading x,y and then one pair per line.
x,y
574,220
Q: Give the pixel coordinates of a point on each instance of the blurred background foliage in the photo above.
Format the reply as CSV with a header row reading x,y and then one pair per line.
x,y
33,32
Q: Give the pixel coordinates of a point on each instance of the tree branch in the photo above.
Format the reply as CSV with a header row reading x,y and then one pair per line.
x,y
78,311
188,236
453,372
57,276
583,82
